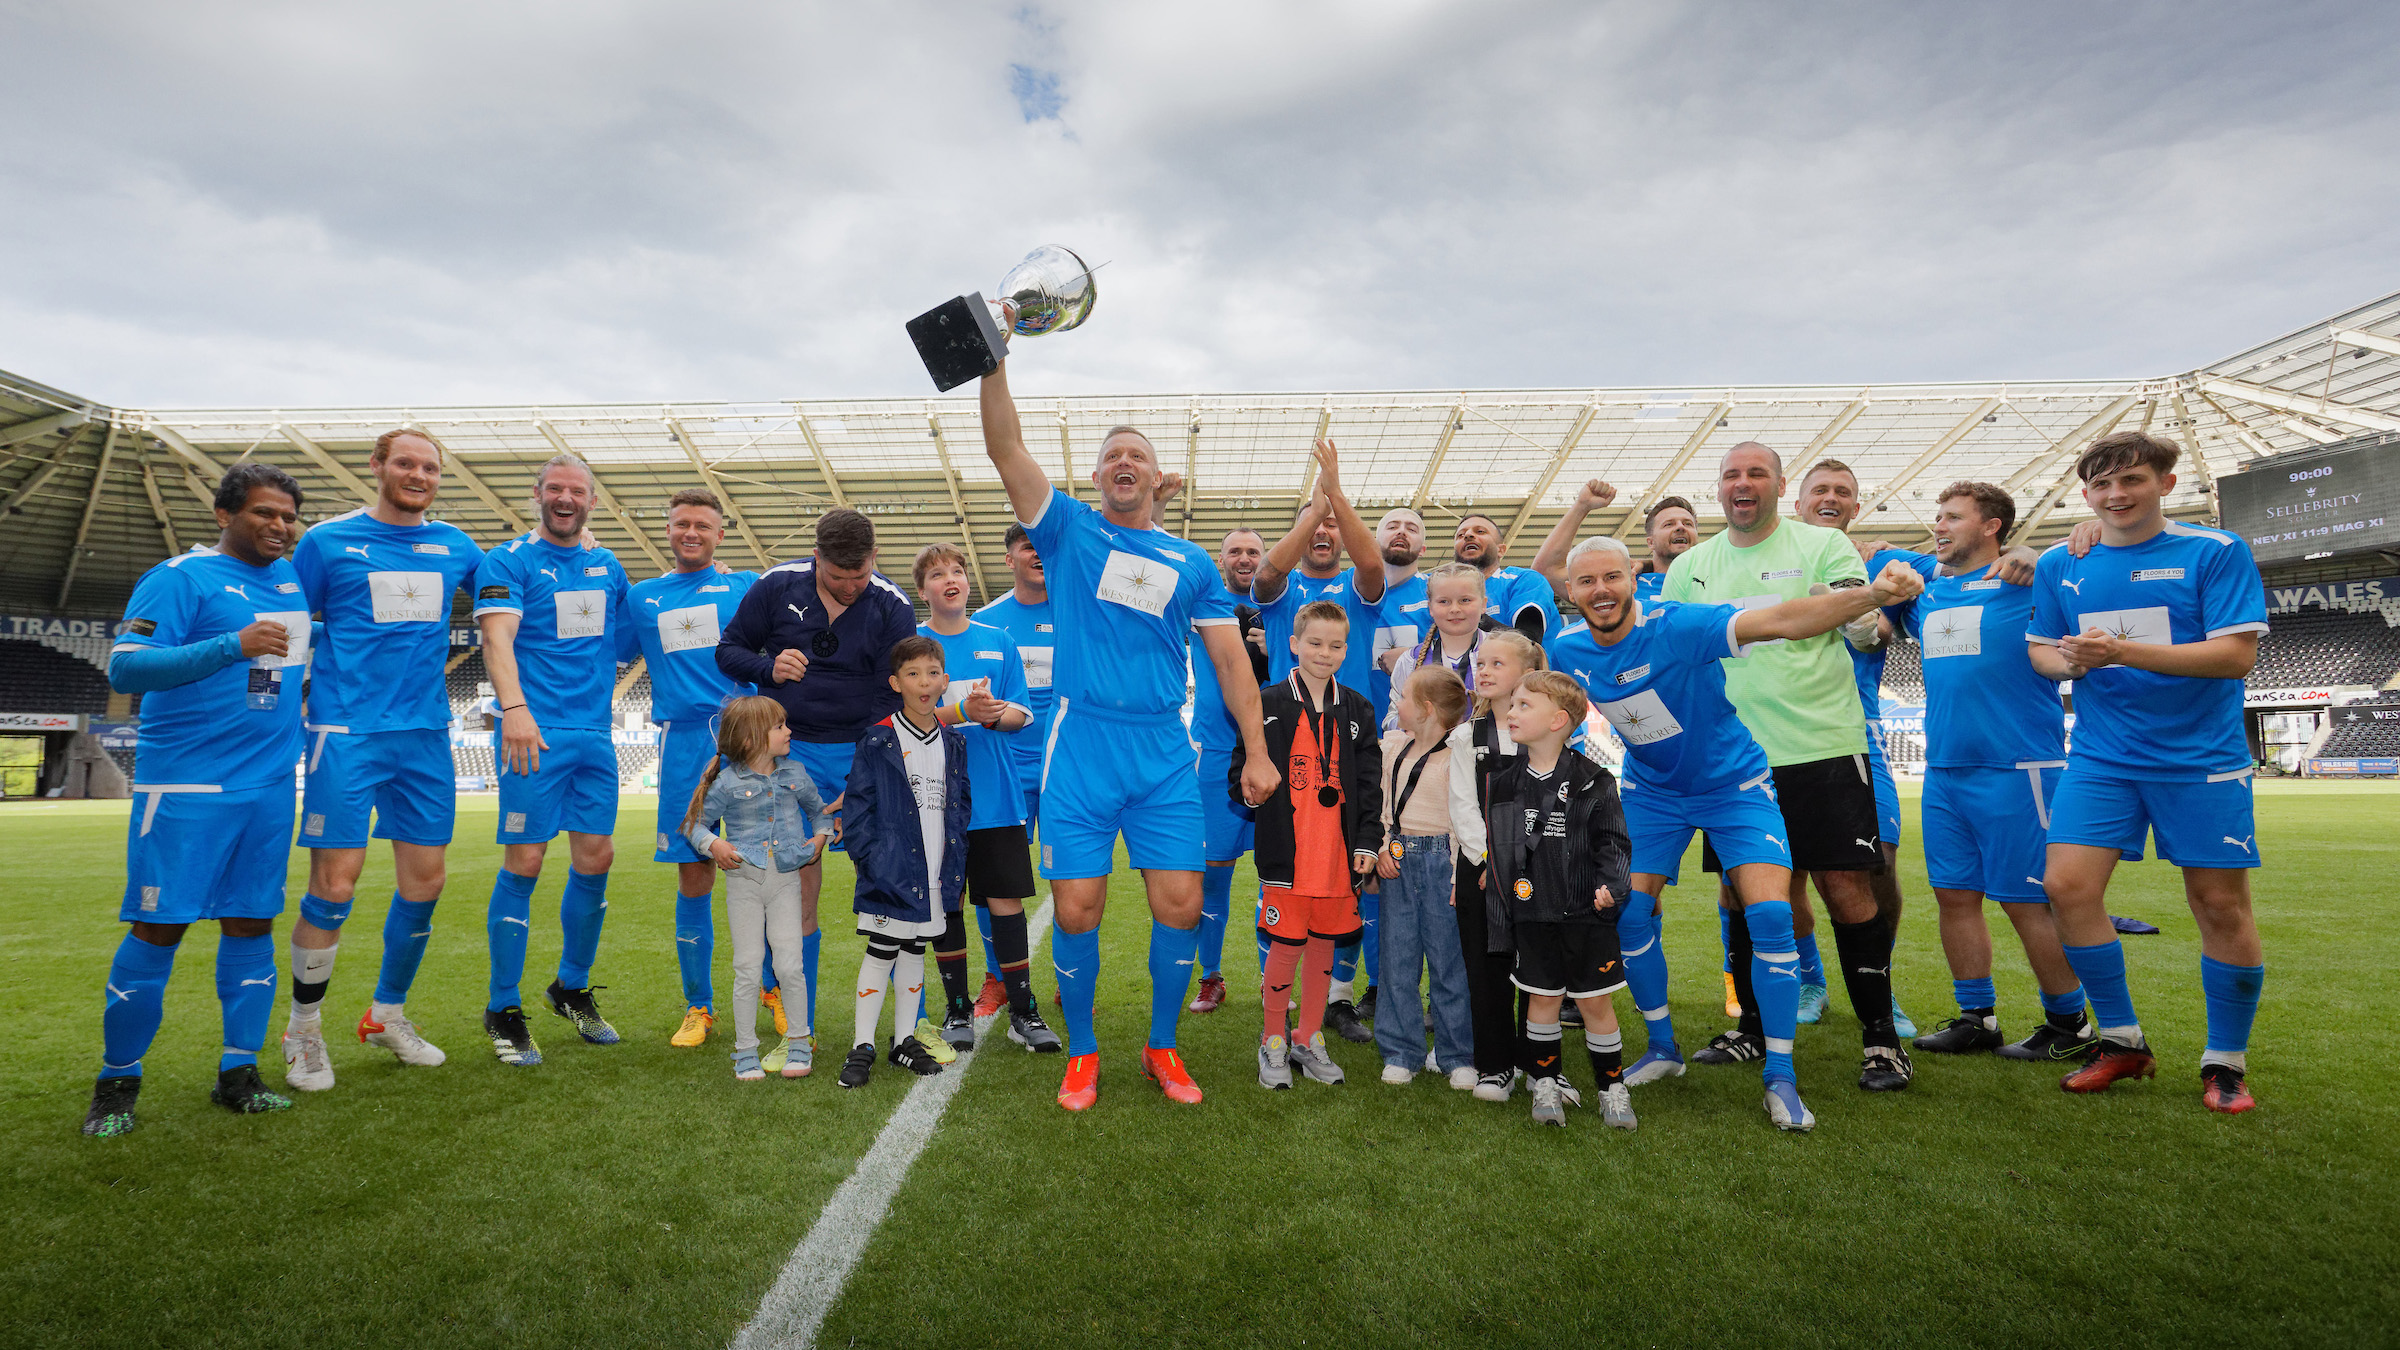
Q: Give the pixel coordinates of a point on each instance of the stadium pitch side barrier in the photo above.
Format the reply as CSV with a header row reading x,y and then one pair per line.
x,y
2354,768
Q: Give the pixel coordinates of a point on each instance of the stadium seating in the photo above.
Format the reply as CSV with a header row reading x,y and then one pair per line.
x,y
2311,648
45,676
2358,734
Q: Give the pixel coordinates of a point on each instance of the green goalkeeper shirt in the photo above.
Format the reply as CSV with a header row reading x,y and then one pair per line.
x,y
1798,698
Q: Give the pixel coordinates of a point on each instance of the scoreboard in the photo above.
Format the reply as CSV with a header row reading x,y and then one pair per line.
x,y
2340,500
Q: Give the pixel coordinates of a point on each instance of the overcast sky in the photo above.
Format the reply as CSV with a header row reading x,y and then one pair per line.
x,y
333,204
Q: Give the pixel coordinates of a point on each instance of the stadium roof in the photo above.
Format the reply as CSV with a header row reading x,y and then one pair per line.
x,y
92,495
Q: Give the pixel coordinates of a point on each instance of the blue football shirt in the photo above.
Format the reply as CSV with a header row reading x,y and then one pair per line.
x,y
1407,614
1985,705
1275,618
1212,726
1126,600
206,733
1663,689
1510,591
1028,626
573,625
677,619
384,594
2187,583
995,794
1649,585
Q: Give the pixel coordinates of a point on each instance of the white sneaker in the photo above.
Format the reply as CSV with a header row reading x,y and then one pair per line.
x,y
1495,1087
1396,1076
399,1035
1616,1107
1462,1078
1547,1108
306,1066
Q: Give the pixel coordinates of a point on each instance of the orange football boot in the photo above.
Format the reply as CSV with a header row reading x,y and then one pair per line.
x,y
992,998
1165,1068
2109,1062
1081,1087
2225,1088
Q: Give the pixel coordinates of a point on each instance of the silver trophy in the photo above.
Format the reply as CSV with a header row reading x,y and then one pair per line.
x,y
965,337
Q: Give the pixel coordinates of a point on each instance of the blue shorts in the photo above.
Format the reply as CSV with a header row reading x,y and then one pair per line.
x,y
575,789
683,754
2204,824
1228,828
1887,791
1987,829
1108,773
1743,823
193,852
406,777
828,765
1033,803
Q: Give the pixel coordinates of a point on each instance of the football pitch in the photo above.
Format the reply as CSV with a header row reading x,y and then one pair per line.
x,y
638,1194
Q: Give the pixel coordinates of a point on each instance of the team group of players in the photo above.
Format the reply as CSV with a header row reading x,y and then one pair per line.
x,y
1739,674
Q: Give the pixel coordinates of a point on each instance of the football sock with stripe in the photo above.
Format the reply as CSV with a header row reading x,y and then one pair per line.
x,y
1775,983
1216,910
1646,969
1979,998
1172,951
2101,967
581,911
406,930
136,996
908,989
1812,964
245,994
1015,966
1076,958
1608,1058
1370,943
950,958
312,970
1282,964
991,947
507,926
1865,950
874,978
1725,917
1542,1040
1345,965
696,949
2232,993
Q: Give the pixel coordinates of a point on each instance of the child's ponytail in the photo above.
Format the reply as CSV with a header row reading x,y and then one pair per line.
x,y
700,793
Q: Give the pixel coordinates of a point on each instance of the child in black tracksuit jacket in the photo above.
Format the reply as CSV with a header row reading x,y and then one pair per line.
x,y
1318,835
1554,876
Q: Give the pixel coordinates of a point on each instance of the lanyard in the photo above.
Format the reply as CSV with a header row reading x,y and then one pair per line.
x,y
1327,792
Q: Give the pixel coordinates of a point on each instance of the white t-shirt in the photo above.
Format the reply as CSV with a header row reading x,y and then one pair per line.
x,y
927,762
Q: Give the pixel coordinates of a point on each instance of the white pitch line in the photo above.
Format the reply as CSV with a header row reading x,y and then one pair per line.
x,y
788,1317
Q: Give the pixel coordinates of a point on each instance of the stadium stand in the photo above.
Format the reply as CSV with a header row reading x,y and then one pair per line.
x,y
38,676
2365,730
2319,647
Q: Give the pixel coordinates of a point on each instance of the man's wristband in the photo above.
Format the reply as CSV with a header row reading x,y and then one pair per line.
x,y
512,707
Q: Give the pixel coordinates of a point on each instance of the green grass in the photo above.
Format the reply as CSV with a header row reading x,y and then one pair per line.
x,y
637,1194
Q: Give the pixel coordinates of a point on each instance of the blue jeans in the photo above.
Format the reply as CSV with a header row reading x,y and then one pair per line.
x,y
1420,935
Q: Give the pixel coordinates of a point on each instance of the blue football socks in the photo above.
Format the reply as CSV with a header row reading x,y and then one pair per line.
x,y
1370,948
1172,951
507,926
580,913
991,950
406,930
136,998
1646,969
324,913
2101,967
1812,966
1775,981
1076,958
696,949
246,995
1345,963
2068,1004
1725,936
808,971
1216,910
1975,994
2232,993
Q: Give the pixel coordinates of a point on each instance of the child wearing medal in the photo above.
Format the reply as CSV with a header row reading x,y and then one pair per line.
x,y
1420,934
1318,836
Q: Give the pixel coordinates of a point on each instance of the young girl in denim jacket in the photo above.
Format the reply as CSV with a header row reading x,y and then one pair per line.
x,y
774,824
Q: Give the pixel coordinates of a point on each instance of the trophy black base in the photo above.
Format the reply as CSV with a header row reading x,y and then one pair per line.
x,y
958,340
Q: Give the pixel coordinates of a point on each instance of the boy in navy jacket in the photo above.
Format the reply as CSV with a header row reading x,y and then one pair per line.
x,y
904,819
